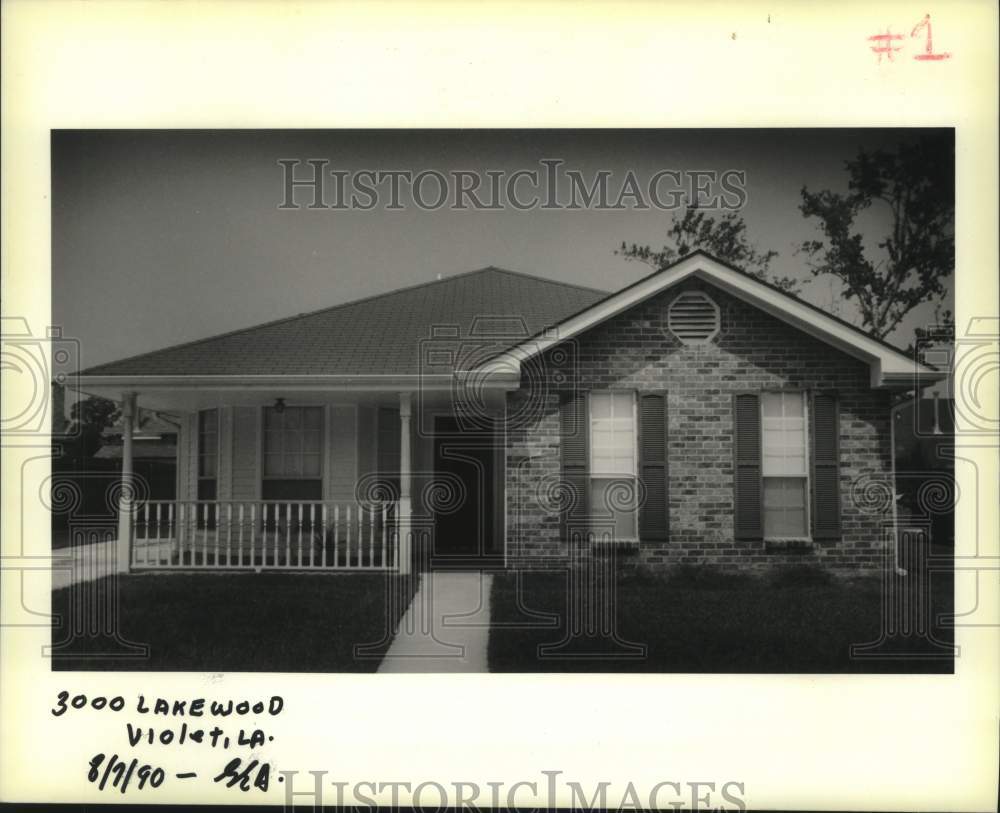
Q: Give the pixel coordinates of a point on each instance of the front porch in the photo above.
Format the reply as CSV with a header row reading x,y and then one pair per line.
x,y
338,478
261,535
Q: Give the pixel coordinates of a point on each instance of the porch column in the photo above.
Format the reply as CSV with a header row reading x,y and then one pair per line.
x,y
125,498
405,484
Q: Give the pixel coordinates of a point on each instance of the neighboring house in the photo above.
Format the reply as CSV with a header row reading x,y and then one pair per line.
x,y
154,451
493,418
87,466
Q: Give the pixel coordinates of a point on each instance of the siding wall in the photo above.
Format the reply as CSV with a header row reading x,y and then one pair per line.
x,y
343,442
239,453
187,458
367,461
245,467
754,351
224,483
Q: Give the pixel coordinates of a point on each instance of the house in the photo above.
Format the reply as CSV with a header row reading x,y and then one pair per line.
x,y
497,419
88,464
154,451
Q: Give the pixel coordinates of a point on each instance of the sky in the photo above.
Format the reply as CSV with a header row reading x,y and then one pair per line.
x,y
162,237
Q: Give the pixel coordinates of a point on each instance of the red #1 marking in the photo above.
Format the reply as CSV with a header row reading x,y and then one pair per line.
x,y
885,46
884,43
928,53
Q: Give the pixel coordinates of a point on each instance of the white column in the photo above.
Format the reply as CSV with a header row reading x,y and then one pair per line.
x,y
405,484
125,500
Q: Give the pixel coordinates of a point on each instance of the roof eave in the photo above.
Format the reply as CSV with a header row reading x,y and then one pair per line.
x,y
292,383
913,379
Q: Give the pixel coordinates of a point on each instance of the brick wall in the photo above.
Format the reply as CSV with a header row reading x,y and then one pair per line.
x,y
753,351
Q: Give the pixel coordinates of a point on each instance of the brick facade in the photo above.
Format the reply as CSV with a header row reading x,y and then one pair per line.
x,y
752,352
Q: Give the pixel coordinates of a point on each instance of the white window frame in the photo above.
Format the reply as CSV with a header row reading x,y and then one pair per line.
x,y
591,475
807,537
324,443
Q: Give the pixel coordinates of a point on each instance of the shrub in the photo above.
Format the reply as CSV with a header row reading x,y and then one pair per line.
x,y
800,576
709,577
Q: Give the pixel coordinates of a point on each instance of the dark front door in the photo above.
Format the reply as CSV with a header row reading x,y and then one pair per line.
x,y
463,499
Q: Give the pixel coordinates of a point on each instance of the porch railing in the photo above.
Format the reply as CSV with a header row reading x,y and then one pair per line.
x,y
264,535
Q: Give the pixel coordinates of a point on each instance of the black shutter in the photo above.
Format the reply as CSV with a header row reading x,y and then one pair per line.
x,y
654,513
574,428
747,511
825,466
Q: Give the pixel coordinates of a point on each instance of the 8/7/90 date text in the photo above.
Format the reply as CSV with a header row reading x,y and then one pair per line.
x,y
118,774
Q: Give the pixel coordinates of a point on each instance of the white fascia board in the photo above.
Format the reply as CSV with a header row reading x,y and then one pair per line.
x,y
888,366
126,382
112,386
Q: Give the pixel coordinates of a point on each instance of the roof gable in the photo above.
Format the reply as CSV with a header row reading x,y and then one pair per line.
x,y
889,366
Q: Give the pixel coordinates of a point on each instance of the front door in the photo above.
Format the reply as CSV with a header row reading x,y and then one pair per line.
x,y
463,499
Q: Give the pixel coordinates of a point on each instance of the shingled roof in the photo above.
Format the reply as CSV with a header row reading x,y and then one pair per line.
x,y
377,335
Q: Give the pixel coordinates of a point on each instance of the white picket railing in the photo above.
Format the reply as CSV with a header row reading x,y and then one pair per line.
x,y
264,535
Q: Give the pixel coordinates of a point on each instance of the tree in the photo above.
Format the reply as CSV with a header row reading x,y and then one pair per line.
x,y
90,418
724,237
915,188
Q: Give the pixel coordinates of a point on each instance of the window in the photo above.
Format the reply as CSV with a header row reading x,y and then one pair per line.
x,y
693,318
613,464
785,467
208,453
293,453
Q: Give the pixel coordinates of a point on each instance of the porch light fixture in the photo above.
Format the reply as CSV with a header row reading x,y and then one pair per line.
x,y
279,405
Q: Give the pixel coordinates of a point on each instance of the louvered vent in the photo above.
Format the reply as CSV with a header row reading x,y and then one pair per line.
x,y
693,318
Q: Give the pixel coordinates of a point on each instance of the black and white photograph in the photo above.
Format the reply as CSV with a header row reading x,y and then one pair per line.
x,y
498,406
506,400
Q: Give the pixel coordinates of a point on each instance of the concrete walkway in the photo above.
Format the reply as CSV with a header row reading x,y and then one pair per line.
x,y
446,628
84,563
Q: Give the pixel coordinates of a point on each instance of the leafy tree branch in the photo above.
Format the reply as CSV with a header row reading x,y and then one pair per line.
x,y
724,237
915,187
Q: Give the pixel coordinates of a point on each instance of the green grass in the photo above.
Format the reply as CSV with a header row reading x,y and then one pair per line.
x,y
800,621
240,622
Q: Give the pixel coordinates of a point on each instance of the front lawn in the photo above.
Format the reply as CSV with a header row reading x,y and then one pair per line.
x,y
239,622
702,623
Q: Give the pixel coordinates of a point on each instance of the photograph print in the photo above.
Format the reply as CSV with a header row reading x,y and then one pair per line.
x,y
504,400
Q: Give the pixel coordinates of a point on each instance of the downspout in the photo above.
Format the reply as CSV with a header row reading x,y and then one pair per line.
x,y
175,422
892,439
937,417
893,414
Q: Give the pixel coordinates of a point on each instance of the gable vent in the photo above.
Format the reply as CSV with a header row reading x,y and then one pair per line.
x,y
693,318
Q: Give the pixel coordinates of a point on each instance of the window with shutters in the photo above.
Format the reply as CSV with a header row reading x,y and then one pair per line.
x,y
293,453
613,465
693,318
785,465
